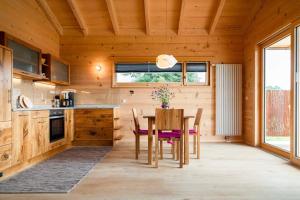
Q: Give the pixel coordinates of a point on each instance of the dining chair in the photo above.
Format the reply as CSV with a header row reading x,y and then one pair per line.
x,y
137,132
168,120
195,132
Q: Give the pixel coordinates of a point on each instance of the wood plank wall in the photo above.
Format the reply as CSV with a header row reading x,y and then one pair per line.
x,y
26,21
85,53
272,15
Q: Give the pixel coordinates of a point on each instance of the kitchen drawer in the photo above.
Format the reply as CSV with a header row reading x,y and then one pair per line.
x,y
104,133
5,133
94,122
22,113
5,157
105,113
40,114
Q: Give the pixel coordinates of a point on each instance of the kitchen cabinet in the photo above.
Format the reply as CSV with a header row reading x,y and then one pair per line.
x,y
5,145
40,135
94,127
5,83
21,137
56,70
5,111
69,126
5,156
26,58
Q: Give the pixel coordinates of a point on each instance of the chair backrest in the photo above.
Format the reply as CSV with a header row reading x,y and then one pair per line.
x,y
198,117
169,119
136,120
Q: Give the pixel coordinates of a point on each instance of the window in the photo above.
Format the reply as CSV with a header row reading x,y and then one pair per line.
x,y
196,73
148,74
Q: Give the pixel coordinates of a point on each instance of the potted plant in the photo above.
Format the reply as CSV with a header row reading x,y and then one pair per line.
x,y
164,95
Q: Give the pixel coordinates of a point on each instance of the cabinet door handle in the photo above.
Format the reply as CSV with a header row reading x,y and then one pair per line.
x,y
5,156
93,133
25,132
9,95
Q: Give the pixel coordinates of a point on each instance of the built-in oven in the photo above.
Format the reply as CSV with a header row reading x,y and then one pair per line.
x,y
57,124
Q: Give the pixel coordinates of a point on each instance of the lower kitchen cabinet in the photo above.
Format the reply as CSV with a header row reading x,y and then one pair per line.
x,y
5,133
5,156
30,135
22,135
5,145
40,135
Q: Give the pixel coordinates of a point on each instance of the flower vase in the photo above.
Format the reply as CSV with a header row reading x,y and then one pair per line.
x,y
165,105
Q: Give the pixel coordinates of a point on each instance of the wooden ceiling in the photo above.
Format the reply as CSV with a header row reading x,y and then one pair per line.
x,y
149,17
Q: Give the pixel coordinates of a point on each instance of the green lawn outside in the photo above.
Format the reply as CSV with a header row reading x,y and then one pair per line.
x,y
277,138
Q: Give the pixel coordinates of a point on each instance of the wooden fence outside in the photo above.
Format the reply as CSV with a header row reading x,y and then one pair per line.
x,y
277,112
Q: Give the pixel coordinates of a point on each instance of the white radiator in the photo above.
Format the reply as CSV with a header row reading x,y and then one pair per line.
x,y
228,99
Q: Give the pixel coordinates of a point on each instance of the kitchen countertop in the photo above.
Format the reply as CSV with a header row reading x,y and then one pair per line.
x,y
82,106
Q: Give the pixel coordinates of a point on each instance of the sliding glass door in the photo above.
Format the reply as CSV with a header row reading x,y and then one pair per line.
x,y
297,95
276,93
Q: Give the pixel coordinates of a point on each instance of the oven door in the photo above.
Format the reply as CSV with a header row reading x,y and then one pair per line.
x,y
57,128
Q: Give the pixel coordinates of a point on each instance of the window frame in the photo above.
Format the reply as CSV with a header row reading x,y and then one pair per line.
x,y
183,81
207,74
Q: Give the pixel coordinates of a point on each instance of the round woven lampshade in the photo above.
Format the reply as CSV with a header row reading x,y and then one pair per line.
x,y
165,61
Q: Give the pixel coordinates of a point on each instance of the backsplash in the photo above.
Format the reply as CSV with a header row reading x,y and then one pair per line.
x,y
39,93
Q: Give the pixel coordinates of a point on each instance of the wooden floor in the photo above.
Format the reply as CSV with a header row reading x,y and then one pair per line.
x,y
225,171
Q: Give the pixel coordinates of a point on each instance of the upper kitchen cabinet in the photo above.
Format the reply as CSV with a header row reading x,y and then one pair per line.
x,y
55,69
26,58
5,83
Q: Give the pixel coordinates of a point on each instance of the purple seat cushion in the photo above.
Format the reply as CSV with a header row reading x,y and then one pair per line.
x,y
144,132
191,131
141,132
169,135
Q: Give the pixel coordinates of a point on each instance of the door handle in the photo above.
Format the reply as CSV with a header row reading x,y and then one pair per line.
x,y
9,95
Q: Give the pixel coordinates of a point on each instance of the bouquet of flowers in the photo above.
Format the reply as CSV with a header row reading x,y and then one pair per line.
x,y
164,95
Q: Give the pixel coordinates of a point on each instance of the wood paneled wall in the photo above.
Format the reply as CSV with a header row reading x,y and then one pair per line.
x,y
26,21
85,53
271,17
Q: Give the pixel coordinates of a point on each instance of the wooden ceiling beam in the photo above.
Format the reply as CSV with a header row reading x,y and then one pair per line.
x,y
77,14
180,21
113,16
147,17
50,15
217,16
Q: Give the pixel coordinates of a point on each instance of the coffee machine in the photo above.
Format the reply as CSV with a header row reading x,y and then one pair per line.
x,y
67,99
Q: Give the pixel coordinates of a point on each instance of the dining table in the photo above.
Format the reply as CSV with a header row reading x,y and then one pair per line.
x,y
151,122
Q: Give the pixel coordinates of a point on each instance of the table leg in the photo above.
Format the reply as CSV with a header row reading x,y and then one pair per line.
x,y
150,140
186,141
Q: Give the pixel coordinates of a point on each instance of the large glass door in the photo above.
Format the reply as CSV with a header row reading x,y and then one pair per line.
x,y
276,93
297,78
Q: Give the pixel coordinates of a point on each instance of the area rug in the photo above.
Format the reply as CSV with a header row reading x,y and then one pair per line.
x,y
58,174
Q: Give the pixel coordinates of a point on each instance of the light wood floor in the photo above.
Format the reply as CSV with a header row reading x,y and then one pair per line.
x,y
225,171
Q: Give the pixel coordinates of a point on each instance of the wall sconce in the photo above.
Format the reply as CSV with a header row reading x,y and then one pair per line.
x,y
98,69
